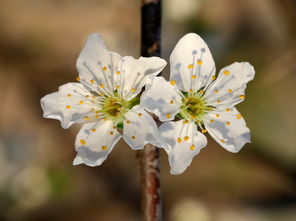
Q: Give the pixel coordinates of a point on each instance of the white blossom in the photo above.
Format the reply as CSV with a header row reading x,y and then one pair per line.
x,y
106,101
200,101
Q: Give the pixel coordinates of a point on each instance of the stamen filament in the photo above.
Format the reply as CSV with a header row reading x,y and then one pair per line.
x,y
133,85
110,86
192,69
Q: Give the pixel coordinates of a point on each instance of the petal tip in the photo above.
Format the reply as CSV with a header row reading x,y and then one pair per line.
x,y
77,161
177,172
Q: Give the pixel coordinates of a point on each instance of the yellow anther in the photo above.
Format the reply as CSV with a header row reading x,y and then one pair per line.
x,y
97,116
186,138
226,72
190,66
102,85
192,147
92,109
104,68
171,101
185,121
227,123
199,62
81,102
117,86
93,130
217,115
229,90
203,131
227,110
238,116
179,140
86,96
104,147
212,121
111,132
218,101
223,141
128,121
213,77
139,114
173,82
133,137
242,96
133,90
190,91
118,72
78,79
82,141
68,107
92,101
69,95
92,81
202,91
216,91
114,127
193,76
168,116
86,118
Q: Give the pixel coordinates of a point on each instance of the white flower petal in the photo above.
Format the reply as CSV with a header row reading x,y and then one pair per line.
x,y
229,88
96,65
133,73
191,63
162,99
71,104
228,128
94,142
140,129
183,143
115,58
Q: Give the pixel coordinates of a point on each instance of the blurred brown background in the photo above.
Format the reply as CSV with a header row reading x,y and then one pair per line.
x,y
39,43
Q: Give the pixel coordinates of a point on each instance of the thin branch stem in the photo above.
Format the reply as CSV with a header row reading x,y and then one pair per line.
x,y
149,156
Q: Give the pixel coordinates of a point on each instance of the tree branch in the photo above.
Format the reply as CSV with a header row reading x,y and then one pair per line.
x,y
149,156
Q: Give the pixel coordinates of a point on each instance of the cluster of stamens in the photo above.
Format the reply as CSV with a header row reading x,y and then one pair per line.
x,y
194,107
113,108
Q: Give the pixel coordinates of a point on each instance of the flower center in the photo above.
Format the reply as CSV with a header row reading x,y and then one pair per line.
x,y
114,107
194,107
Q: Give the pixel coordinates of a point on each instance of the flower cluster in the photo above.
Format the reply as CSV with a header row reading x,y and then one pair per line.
x,y
110,103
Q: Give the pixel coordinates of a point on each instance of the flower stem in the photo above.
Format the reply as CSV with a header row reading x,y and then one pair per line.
x,y
149,156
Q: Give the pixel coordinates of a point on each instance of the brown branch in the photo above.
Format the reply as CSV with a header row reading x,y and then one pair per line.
x,y
149,156
151,199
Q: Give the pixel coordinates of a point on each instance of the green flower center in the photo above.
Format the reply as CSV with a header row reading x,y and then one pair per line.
x,y
194,107
114,107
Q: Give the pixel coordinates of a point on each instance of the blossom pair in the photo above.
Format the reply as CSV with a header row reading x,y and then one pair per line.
x,y
110,103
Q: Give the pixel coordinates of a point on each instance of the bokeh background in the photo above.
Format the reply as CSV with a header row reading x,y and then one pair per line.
x,y
39,43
